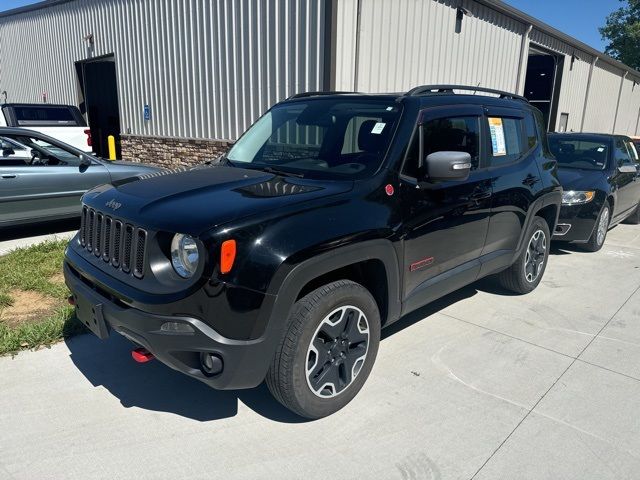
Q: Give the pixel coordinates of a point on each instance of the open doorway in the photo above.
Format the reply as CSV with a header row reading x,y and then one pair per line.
x,y
99,101
542,82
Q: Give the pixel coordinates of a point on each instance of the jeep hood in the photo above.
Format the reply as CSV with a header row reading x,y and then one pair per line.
x,y
196,199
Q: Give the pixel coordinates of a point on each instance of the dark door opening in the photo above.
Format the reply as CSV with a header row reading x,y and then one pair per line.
x,y
99,100
542,83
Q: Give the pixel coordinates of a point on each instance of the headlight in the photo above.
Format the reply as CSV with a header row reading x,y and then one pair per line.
x,y
575,197
184,255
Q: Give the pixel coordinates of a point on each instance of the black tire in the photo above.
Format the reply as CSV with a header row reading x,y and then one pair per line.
x,y
536,250
596,241
634,218
293,370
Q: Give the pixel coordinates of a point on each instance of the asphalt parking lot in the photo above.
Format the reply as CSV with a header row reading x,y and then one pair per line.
x,y
479,385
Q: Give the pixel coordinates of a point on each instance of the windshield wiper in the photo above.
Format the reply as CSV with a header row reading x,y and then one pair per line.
x,y
284,173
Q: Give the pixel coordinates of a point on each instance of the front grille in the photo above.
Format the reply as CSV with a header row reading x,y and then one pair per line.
x,y
118,243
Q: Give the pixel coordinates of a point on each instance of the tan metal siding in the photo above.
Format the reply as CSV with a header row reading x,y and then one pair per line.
x,y
346,24
405,43
602,101
627,120
207,69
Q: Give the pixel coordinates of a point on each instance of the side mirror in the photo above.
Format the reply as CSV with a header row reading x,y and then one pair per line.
x,y
443,166
628,169
8,151
84,162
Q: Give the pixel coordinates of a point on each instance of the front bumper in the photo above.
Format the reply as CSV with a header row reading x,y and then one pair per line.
x,y
576,222
245,362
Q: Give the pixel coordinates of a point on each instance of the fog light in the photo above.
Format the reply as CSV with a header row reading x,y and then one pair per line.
x,y
211,363
176,327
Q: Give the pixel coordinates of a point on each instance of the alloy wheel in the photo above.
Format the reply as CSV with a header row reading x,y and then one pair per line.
x,y
603,226
337,351
535,257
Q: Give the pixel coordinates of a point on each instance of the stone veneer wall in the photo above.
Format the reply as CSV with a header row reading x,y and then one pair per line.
x,y
170,152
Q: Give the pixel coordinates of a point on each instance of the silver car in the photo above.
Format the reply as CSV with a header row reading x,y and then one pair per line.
x,y
43,178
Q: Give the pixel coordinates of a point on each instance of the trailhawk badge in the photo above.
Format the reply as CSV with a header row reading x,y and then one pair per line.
x,y
113,204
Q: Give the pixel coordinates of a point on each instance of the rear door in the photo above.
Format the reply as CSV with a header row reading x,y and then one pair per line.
x,y
513,149
49,184
444,223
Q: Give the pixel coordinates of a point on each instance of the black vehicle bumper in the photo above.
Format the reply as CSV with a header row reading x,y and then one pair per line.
x,y
576,222
244,362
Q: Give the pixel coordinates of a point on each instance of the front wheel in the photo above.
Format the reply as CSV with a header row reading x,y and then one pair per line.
x,y
526,272
599,234
328,350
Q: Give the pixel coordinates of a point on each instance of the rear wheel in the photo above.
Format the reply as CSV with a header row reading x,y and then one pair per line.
x,y
526,272
599,234
328,350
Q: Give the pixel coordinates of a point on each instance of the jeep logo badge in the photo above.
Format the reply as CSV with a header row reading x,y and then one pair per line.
x,y
113,204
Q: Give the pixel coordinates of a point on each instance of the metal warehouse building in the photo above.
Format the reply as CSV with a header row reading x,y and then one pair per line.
x,y
175,80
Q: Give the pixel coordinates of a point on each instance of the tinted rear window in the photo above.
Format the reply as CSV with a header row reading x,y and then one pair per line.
x,y
41,115
580,153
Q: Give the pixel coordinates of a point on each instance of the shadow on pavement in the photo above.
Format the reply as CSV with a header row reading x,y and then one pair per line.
x,y
42,228
154,386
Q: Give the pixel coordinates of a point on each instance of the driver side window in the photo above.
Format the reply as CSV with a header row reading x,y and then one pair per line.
x,y
622,154
44,153
447,134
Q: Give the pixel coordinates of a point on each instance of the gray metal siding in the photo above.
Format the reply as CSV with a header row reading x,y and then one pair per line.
x,y
346,44
627,121
207,69
405,43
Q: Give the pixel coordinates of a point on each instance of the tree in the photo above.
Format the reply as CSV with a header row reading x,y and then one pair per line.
x,y
622,31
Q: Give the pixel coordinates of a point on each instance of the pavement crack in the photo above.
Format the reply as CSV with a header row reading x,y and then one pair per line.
x,y
573,361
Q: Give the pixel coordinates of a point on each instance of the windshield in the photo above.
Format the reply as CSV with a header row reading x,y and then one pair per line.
x,y
587,154
326,138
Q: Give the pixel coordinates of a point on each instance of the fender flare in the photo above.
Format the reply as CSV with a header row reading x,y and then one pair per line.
x,y
551,198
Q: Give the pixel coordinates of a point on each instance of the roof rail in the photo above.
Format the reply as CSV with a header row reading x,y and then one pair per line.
x,y
434,89
313,94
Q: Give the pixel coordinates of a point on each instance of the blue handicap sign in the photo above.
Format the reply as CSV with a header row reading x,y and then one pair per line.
x,y
147,112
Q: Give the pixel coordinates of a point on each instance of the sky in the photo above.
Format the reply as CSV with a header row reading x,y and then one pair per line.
x,y
578,18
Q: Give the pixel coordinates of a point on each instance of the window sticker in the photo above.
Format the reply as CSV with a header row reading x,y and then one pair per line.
x,y
600,149
377,128
498,143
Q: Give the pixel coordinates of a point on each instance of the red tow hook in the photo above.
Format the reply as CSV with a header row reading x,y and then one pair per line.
x,y
71,300
142,355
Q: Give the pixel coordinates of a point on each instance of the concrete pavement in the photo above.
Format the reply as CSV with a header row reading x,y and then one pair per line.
x,y
480,384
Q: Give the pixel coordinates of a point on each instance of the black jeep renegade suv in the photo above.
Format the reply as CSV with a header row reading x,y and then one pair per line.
x,y
331,217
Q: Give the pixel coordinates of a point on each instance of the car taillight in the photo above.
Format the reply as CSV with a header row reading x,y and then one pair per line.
x,y
88,134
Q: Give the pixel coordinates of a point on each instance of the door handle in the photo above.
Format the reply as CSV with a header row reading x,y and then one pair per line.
x,y
480,195
9,175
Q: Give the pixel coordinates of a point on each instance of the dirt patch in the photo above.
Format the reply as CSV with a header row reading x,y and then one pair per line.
x,y
58,279
28,307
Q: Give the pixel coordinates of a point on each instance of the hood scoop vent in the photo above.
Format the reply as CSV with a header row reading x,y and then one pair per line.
x,y
276,187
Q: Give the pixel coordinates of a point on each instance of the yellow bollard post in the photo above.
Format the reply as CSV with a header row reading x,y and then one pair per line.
x,y
111,140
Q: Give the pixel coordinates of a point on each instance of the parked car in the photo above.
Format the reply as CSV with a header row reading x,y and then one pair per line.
x,y
331,217
62,122
42,178
599,174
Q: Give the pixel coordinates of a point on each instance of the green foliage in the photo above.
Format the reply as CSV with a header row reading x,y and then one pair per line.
x,y
31,269
622,31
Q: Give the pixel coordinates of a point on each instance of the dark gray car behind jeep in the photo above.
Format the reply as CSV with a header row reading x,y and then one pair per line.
x,y
330,218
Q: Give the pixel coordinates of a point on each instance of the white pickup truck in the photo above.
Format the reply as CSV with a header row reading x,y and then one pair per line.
x,y
62,122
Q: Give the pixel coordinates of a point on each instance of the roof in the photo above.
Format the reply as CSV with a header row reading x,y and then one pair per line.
x,y
496,5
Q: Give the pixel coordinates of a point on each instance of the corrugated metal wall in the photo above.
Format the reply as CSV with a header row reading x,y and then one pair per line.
x,y
405,43
603,98
207,69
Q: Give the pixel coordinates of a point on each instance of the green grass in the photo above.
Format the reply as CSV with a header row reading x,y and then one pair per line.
x,y
31,269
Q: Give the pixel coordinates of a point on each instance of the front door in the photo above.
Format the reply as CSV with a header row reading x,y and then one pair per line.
x,y
444,223
626,183
48,184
